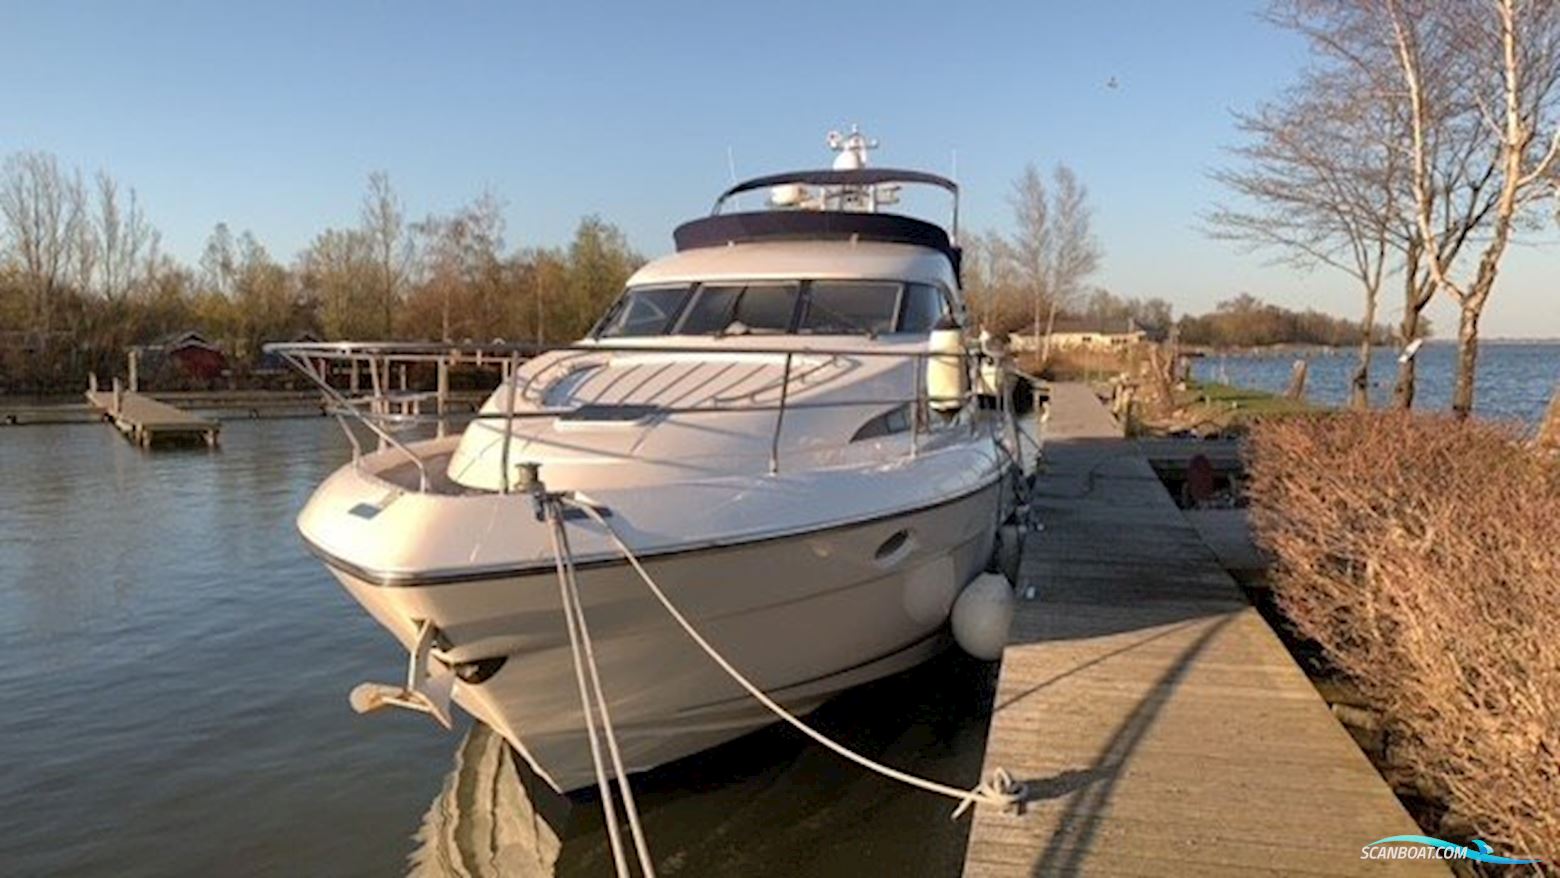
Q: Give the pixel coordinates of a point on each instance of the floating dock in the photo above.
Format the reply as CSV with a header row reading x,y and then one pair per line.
x,y
145,421
1160,724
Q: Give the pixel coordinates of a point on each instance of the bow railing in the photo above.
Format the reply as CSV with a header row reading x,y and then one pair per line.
x,y
382,395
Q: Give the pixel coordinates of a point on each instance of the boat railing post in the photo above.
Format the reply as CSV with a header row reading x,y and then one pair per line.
x,y
774,442
376,405
509,420
443,391
974,366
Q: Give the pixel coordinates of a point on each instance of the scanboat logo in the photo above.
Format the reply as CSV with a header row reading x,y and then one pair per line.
x,y
1434,849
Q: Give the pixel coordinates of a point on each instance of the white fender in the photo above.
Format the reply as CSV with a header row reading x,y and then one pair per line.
x,y
982,616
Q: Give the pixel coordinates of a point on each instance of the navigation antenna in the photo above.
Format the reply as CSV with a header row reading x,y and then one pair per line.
x,y
851,155
852,149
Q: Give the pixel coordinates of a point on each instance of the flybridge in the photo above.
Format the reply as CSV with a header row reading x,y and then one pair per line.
x,y
797,225
841,203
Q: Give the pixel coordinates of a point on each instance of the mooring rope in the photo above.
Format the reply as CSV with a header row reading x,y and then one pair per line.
x,y
585,659
999,789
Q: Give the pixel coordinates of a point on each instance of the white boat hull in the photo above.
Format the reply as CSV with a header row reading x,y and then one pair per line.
x,y
804,616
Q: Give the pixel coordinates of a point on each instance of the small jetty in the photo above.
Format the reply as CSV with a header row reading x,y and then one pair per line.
x,y
146,422
1160,725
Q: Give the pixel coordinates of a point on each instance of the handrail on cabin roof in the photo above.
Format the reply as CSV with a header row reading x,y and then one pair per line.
x,y
856,177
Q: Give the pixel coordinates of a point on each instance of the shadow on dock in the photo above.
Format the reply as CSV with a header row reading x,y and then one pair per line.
x,y
1072,840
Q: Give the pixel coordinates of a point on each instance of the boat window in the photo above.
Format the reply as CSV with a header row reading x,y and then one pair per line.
x,y
754,308
893,421
850,307
924,306
644,311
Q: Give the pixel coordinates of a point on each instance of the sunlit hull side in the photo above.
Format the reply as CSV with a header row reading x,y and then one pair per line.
x,y
804,615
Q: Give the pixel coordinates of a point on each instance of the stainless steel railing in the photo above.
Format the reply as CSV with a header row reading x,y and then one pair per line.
x,y
385,412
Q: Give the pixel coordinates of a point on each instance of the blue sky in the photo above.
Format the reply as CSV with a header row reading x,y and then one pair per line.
x,y
270,116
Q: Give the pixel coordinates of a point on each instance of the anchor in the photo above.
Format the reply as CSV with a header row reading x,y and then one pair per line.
x,y
423,692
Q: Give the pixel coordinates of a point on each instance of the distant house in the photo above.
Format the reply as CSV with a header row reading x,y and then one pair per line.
x,y
1080,333
191,354
271,363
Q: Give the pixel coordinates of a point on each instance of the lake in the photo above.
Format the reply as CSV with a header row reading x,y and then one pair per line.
x,y
1514,380
176,702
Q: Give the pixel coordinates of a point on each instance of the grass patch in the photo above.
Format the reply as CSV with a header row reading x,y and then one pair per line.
x,y
1206,408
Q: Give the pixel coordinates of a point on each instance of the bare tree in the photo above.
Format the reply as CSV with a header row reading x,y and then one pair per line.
x,y
1030,245
127,244
384,225
219,261
1052,247
1320,177
1512,49
1353,81
991,286
463,266
43,209
1075,252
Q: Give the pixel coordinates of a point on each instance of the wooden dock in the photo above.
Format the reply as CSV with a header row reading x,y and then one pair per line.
x,y
1161,726
145,421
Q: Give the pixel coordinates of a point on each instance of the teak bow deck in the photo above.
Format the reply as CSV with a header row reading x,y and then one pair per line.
x,y
1160,724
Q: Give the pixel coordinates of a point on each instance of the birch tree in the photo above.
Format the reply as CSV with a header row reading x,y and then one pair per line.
x,y
1354,78
1512,48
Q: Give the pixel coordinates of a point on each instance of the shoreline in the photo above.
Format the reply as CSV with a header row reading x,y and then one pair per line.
x,y
1300,347
43,409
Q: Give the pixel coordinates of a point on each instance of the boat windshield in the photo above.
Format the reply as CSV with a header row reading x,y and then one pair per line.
x,y
644,311
819,307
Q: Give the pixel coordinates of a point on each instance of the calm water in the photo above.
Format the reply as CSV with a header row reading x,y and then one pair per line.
x,y
1514,382
175,701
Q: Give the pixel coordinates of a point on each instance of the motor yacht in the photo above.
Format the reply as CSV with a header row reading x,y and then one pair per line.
x,y
785,420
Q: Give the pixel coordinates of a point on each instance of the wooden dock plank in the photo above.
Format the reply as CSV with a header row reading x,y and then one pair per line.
x,y
1162,726
144,420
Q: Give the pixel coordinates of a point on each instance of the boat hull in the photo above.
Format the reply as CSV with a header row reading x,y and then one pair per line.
x,y
804,616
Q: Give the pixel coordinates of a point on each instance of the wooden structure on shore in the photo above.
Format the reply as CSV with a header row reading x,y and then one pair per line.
x,y
1159,724
145,421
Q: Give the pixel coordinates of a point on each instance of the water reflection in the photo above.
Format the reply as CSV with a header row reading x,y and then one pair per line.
x,y
485,821
176,703
770,803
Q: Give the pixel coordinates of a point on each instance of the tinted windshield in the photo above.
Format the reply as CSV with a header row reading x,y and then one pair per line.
x,y
922,307
723,308
644,311
850,307
820,307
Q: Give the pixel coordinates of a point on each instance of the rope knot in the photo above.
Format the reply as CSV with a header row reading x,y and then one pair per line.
x,y
1000,789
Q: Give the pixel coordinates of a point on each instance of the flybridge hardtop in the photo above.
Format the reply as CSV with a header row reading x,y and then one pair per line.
x,y
845,208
